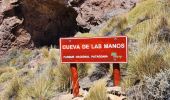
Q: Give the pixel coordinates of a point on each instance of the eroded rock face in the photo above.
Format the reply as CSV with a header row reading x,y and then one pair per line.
x,y
36,23
94,12
10,26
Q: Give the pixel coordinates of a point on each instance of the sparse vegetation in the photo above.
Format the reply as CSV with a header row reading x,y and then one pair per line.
x,y
146,10
114,26
38,74
151,30
39,89
41,78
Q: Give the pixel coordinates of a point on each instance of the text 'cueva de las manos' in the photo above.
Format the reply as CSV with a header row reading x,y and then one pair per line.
x,y
94,46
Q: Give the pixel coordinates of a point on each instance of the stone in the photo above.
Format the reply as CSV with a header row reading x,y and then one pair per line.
x,y
92,13
164,34
116,88
83,82
37,23
114,97
101,71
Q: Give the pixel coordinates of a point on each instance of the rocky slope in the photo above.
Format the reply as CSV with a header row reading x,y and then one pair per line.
x,y
36,23
39,74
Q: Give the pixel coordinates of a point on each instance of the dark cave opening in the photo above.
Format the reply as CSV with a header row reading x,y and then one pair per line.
x,y
63,25
47,27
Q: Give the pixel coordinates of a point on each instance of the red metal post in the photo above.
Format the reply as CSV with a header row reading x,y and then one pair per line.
x,y
116,74
75,82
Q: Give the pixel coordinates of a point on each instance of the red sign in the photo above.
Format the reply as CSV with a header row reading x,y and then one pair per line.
x,y
94,50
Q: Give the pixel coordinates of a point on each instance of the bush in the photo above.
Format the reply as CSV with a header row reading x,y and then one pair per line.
x,y
12,89
152,88
146,62
6,76
98,91
62,76
40,89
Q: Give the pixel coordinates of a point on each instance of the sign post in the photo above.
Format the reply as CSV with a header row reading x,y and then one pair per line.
x,y
116,74
74,78
93,50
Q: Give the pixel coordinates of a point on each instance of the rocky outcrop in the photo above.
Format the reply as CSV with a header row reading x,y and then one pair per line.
x,y
28,24
94,12
48,20
10,28
36,23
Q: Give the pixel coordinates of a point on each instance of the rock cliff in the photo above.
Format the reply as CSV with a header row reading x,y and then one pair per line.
x,y
36,23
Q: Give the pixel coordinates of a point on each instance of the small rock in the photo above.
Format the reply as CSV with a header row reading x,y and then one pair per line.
x,y
114,97
115,90
85,82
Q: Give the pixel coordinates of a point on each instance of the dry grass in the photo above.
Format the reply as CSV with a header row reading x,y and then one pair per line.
x,y
45,52
146,62
37,84
7,69
62,75
167,54
12,89
98,91
6,76
40,89
150,8
150,11
42,81
50,76
54,57
148,32
152,54
116,24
